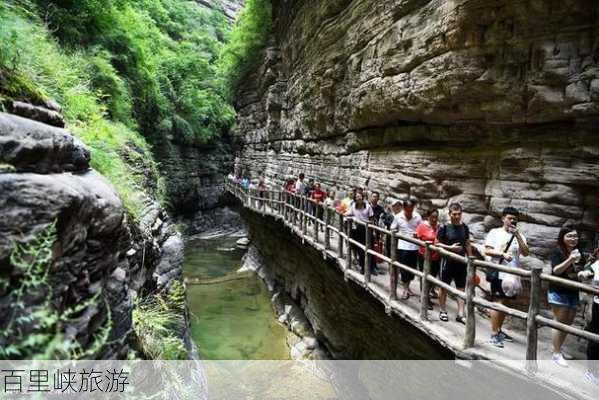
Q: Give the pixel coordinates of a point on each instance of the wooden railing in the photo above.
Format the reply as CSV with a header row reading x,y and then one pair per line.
x,y
295,212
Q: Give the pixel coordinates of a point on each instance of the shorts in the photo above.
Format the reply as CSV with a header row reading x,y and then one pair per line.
x,y
497,290
569,300
409,258
435,265
453,271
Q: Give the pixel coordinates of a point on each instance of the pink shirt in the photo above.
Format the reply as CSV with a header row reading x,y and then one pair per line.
x,y
426,232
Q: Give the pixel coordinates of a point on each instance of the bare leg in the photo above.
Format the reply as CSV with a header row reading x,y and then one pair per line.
x,y
563,315
497,318
442,299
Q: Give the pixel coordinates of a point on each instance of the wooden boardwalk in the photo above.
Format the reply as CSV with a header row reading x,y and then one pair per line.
x,y
466,342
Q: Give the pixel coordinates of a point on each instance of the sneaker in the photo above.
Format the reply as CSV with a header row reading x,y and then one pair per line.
x,y
559,359
567,356
505,337
593,378
496,341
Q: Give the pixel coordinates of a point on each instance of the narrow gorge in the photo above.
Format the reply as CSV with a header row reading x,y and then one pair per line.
x,y
121,126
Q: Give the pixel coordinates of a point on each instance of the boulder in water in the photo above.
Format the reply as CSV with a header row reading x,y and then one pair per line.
x,y
243,242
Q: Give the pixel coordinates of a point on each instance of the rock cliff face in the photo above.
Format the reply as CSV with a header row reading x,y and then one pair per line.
x,y
194,175
46,178
488,103
229,7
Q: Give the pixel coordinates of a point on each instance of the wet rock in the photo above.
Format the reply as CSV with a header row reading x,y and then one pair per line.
x,y
30,146
96,251
310,342
49,115
243,242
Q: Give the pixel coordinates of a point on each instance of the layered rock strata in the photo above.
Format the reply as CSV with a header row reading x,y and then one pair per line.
x,y
194,175
488,103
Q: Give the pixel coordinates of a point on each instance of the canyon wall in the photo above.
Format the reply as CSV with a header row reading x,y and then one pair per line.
x,y
345,318
488,102
193,175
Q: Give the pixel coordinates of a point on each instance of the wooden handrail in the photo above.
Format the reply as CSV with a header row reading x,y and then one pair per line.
x,y
295,216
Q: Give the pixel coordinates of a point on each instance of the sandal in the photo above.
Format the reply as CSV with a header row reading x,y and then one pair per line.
x,y
443,316
460,319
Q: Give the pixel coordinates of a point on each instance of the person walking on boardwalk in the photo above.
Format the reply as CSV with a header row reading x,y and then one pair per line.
x,y
453,237
566,262
318,195
405,223
504,245
300,185
377,209
377,239
427,231
362,212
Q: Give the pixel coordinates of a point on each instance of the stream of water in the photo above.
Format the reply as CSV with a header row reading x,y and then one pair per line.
x,y
232,317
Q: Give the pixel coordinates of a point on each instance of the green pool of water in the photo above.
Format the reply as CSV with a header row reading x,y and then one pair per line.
x,y
232,318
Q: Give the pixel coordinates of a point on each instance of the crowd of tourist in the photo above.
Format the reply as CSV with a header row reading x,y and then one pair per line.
x,y
504,245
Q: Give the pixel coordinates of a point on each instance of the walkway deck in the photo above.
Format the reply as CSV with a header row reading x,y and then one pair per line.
x,y
570,382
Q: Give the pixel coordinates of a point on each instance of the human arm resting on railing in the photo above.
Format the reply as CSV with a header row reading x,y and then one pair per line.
x,y
454,248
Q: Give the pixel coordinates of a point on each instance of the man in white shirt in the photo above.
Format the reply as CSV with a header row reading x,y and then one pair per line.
x,y
300,185
405,223
504,245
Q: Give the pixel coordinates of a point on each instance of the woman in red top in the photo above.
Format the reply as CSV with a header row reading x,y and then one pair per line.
x,y
290,186
318,195
427,231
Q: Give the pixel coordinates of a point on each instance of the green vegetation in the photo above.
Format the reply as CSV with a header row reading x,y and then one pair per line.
x,y
158,322
129,71
34,327
124,72
248,38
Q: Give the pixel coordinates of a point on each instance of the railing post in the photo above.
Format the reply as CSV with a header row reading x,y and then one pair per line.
x,y
348,224
367,257
304,216
393,268
424,287
531,322
294,204
266,203
261,201
340,236
279,199
315,205
327,221
470,320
